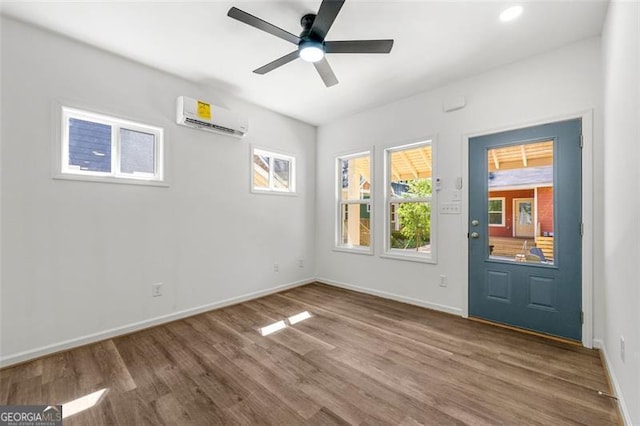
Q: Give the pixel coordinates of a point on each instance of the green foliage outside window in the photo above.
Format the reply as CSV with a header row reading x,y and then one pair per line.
x,y
415,217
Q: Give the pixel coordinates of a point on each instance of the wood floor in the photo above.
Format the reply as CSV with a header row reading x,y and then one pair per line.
x,y
357,360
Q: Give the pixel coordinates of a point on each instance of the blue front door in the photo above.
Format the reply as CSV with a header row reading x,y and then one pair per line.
x,y
531,279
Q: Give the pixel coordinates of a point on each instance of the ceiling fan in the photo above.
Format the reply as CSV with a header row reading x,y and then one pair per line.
x,y
311,43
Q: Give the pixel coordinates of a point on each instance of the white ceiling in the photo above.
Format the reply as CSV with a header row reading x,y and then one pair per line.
x,y
436,42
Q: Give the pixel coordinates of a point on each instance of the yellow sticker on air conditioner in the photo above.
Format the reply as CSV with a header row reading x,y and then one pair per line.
x,y
204,110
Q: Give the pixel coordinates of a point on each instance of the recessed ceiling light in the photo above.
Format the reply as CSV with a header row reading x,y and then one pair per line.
x,y
511,13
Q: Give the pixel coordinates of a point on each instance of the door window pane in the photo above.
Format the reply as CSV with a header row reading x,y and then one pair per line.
x,y
520,203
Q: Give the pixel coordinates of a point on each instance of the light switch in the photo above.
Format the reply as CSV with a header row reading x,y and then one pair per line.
x,y
450,208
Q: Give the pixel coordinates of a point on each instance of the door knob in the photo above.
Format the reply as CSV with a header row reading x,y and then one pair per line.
x,y
475,235
475,222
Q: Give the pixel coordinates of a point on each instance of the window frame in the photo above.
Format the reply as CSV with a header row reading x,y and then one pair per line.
x,y
292,189
339,203
503,212
389,200
63,170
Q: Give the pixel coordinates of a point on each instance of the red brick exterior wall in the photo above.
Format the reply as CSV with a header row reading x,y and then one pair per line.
x,y
545,209
507,229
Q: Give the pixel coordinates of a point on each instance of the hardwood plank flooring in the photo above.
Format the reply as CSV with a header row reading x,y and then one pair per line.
x,y
358,359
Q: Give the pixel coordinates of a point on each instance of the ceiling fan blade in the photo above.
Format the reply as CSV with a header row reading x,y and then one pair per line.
x,y
325,71
277,63
260,24
358,46
324,19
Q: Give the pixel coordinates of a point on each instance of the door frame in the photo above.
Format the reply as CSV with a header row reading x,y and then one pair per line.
x,y
587,211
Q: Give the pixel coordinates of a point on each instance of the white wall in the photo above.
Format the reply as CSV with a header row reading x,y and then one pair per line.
x,y
557,84
621,65
79,258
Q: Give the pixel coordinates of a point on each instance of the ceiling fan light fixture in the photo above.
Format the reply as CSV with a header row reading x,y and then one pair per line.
x,y
311,44
311,51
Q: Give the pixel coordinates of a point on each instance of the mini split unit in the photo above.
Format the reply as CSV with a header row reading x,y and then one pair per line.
x,y
205,116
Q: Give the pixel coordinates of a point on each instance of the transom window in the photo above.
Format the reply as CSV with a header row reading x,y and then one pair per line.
x,y
272,172
99,147
409,199
353,177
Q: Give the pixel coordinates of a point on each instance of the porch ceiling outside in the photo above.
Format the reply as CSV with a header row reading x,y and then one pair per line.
x,y
521,156
363,167
417,163
405,165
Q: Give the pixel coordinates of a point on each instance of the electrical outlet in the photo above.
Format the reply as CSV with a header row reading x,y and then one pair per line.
x,y
622,348
276,267
156,290
443,280
300,263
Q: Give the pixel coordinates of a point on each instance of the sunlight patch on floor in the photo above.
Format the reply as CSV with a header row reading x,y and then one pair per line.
x,y
272,328
282,324
294,319
83,403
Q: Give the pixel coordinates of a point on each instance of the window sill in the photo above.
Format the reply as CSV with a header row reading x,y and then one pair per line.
x,y
268,192
111,179
408,257
354,250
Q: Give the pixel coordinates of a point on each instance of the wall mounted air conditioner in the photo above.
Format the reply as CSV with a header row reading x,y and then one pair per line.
x,y
205,116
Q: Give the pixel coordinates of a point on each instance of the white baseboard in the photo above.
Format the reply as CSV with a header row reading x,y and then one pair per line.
x,y
599,344
129,328
392,296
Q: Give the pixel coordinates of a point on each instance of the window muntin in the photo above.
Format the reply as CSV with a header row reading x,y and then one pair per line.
x,y
409,201
98,146
496,211
272,172
354,202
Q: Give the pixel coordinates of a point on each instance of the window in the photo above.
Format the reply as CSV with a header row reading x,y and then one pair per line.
x,y
408,202
99,147
353,227
496,211
272,172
